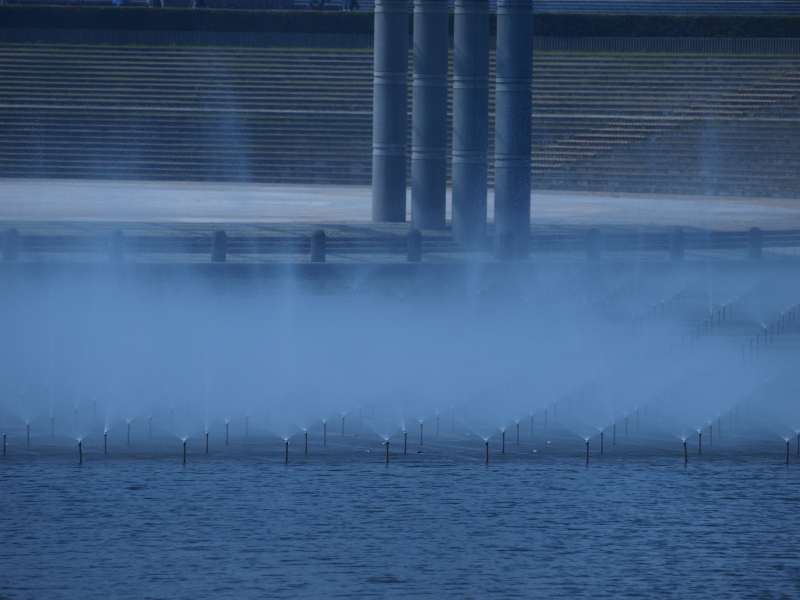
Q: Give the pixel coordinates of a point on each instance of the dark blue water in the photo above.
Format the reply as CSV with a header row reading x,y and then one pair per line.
x,y
525,526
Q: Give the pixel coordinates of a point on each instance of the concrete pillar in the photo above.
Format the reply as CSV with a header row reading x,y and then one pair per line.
x,y
390,111
512,158
429,115
470,121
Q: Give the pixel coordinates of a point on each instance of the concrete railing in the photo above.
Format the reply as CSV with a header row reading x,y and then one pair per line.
x,y
364,40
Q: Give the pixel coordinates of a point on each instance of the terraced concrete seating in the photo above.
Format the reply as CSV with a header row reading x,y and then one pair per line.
x,y
601,121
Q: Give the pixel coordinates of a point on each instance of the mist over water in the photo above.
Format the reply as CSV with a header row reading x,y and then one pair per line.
x,y
583,346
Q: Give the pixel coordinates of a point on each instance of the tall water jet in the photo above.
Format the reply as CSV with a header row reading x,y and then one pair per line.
x,y
513,102
470,122
429,115
390,111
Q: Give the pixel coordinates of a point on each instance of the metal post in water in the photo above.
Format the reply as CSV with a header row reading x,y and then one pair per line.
x,y
601,441
286,458
387,451
405,442
28,432
787,452
324,433
184,451
487,451
129,434
614,434
206,442
503,445
342,425
531,425
517,433
226,433
685,453
710,434
305,434
699,442
105,442
587,452
80,452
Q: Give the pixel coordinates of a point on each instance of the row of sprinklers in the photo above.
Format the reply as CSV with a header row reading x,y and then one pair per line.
x,y
544,419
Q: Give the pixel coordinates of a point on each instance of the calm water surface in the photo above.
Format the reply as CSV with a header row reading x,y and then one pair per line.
x,y
644,527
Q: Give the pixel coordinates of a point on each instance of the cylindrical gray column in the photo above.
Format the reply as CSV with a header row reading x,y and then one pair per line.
x,y
390,111
429,115
512,158
470,121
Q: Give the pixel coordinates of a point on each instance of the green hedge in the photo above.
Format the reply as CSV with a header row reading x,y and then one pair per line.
x,y
303,21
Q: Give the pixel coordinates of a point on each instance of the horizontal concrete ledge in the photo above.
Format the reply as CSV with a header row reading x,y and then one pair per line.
x,y
365,40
